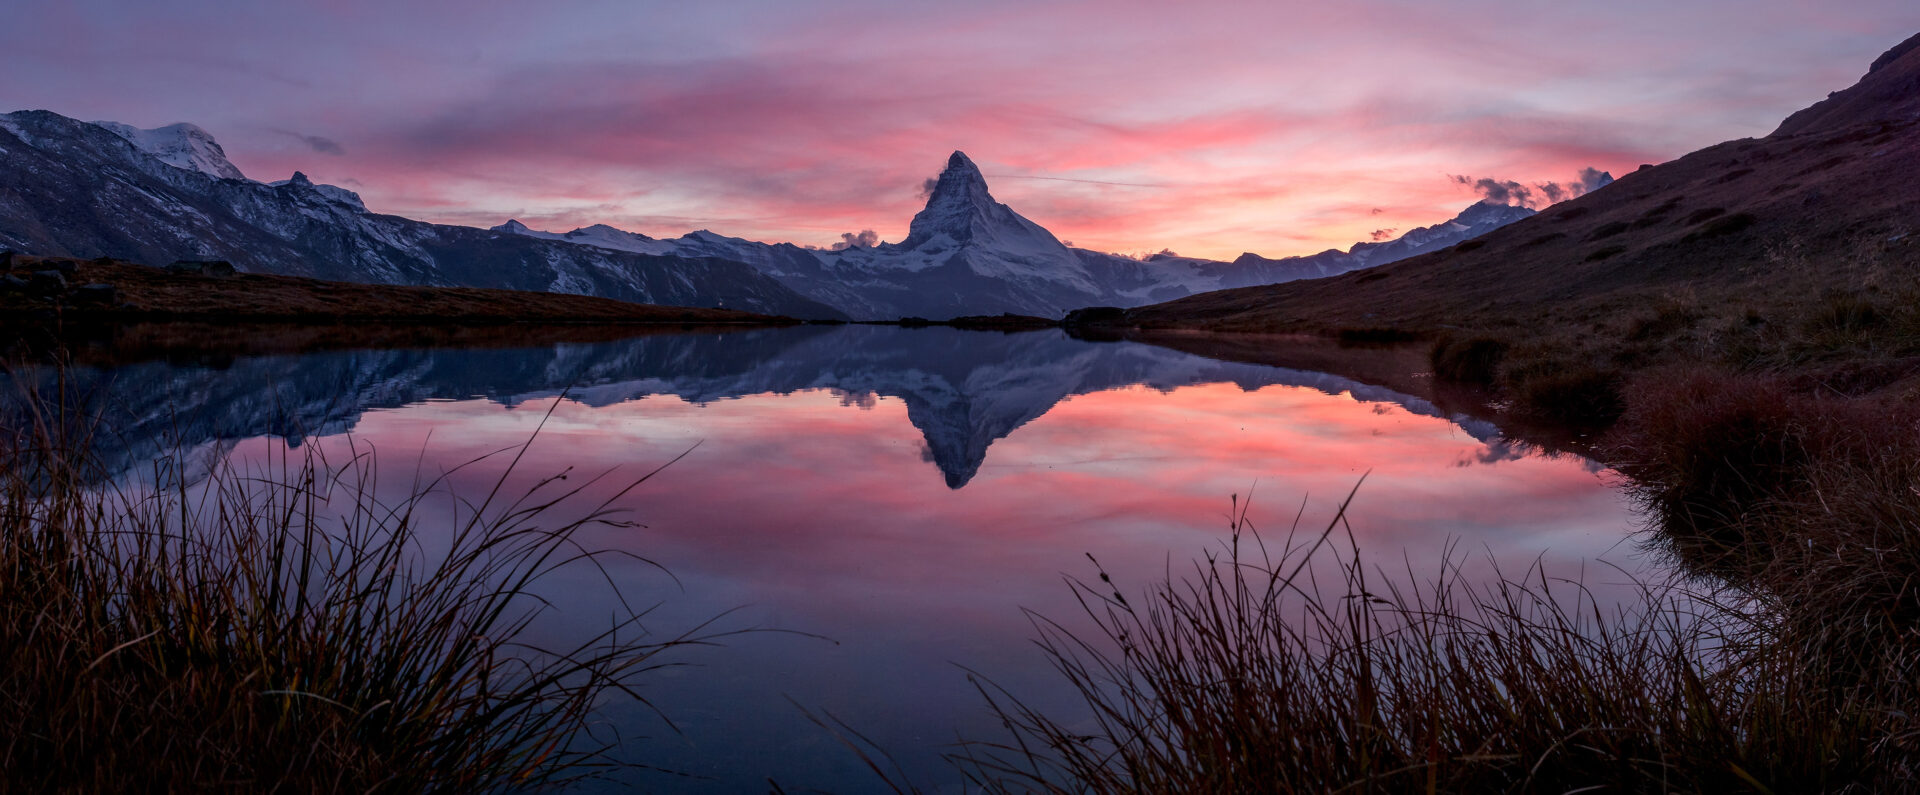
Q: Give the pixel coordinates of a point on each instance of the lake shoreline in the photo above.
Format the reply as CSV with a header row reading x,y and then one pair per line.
x,y
69,291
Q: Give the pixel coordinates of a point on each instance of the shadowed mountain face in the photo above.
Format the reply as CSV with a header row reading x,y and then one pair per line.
x,y
70,188
963,390
1825,202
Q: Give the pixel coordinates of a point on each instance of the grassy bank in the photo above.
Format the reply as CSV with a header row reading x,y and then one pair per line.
x,y
1777,446
1297,667
283,627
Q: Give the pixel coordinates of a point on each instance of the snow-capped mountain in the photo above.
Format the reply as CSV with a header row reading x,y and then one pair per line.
x,y
597,235
180,145
962,224
86,190
967,254
963,390
1478,219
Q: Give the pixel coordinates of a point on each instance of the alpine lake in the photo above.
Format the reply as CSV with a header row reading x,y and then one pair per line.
x,y
882,513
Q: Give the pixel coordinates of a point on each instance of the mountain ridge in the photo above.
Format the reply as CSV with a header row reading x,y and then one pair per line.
x,y
968,254
181,145
108,189
70,188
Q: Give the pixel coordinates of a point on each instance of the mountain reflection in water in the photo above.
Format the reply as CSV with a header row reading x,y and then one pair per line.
x,y
811,505
963,390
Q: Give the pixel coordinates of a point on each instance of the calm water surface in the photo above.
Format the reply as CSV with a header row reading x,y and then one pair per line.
x,y
901,493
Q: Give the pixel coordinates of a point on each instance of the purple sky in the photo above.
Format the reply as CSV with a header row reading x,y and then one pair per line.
x,y
1208,128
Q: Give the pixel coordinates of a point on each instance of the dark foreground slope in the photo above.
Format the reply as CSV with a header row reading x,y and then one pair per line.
x,y
140,292
1826,203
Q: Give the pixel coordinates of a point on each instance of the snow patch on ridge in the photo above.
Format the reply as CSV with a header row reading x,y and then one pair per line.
x,y
179,145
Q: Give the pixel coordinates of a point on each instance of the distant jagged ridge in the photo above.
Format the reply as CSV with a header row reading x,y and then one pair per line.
x,y
79,189
966,253
103,188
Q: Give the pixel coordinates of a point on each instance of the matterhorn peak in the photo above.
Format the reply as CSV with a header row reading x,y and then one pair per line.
x,y
959,207
958,161
959,181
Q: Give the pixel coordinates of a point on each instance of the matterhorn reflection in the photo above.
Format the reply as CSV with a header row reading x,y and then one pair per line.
x,y
963,390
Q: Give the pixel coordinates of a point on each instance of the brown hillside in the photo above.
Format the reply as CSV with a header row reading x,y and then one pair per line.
x,y
1890,92
1827,203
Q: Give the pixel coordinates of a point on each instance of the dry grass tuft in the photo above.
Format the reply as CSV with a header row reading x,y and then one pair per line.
x,y
1257,673
285,628
1812,501
1468,360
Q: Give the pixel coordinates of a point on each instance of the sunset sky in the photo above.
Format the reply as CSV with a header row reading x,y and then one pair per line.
x,y
1279,127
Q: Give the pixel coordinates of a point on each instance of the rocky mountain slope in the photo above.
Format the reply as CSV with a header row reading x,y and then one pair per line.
x,y
1824,203
71,188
